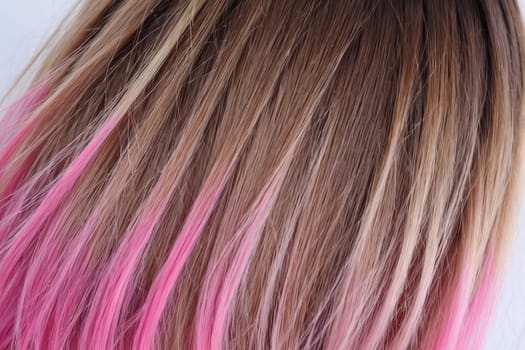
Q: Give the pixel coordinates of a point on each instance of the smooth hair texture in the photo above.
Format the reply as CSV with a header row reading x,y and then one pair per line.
x,y
266,174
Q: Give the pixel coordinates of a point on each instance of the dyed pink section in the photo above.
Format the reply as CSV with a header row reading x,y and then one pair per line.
x,y
74,274
14,261
29,298
465,324
475,326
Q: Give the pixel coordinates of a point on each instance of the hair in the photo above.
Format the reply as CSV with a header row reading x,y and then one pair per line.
x,y
306,174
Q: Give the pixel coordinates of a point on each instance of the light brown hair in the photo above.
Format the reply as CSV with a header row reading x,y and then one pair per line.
x,y
263,174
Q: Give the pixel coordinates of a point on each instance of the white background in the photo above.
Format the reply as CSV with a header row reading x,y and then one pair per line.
x,y
25,24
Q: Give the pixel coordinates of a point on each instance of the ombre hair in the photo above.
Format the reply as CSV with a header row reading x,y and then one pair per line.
x,y
266,174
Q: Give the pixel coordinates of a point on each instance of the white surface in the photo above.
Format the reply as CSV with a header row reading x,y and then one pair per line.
x,y
507,331
24,24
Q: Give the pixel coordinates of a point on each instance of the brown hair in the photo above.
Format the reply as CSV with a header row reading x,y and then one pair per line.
x,y
263,174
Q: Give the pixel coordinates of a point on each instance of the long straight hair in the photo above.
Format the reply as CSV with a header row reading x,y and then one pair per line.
x,y
306,174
